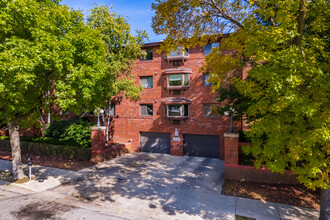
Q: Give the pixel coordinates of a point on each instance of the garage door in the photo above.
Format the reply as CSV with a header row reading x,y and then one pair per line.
x,y
155,142
201,145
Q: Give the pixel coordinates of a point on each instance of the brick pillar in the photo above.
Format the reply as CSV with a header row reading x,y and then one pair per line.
x,y
98,143
231,148
177,142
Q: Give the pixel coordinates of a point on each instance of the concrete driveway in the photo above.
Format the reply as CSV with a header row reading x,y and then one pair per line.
x,y
146,185
137,186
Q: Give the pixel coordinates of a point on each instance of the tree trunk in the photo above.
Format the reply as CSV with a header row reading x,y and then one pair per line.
x,y
301,25
325,204
16,152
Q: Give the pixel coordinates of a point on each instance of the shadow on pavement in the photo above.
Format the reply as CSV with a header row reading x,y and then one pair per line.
x,y
153,180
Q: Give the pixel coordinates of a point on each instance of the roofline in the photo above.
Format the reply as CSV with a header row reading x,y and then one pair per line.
x,y
152,44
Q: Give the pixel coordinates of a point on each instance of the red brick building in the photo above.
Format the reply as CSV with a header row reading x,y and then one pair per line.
x,y
176,111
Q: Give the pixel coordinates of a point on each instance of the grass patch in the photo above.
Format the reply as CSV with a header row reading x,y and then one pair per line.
x,y
8,177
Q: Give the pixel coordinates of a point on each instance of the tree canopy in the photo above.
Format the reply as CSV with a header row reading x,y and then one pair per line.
x,y
286,44
49,56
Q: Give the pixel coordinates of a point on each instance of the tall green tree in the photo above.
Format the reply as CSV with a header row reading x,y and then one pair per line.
x,y
122,50
49,56
286,43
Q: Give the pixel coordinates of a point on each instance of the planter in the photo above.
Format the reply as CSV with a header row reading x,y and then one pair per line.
x,y
262,175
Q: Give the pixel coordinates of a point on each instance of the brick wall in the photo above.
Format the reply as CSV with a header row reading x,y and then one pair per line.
x,y
129,124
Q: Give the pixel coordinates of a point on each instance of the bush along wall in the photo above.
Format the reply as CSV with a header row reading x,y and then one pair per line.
x,y
41,149
73,133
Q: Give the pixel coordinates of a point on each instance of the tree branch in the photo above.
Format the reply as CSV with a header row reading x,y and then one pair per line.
x,y
212,4
301,25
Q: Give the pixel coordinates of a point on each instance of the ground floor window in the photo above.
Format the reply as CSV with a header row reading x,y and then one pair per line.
x,y
177,110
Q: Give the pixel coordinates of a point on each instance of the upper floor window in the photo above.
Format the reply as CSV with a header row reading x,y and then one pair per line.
x,y
179,52
146,109
146,81
210,110
112,110
149,54
206,78
208,48
177,110
175,80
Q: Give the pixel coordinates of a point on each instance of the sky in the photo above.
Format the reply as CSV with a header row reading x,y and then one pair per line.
x,y
137,12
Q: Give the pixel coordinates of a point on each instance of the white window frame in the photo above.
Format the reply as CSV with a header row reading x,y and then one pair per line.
x,y
182,108
182,80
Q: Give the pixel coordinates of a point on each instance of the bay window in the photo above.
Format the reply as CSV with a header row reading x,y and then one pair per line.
x,y
178,80
177,110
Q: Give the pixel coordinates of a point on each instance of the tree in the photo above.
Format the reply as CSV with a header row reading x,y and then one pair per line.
x,y
122,51
49,56
287,45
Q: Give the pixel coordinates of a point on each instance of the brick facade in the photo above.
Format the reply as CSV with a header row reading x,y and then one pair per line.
x,y
129,123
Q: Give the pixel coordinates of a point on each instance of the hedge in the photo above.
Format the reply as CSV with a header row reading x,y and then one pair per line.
x,y
41,149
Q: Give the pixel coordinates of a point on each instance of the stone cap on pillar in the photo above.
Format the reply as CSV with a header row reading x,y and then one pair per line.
x,y
231,135
98,128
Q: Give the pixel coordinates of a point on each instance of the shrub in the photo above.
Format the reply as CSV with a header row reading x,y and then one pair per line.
x,y
73,133
41,149
244,136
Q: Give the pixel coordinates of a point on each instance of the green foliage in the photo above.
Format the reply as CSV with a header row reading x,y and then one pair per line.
x,y
122,49
50,57
285,45
233,102
72,133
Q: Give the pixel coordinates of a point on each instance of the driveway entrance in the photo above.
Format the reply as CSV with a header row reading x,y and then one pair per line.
x,y
156,184
201,145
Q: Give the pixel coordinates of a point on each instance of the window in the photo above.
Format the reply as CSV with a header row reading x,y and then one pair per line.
x,y
146,109
208,48
177,110
180,52
206,78
146,81
112,109
210,110
149,55
178,80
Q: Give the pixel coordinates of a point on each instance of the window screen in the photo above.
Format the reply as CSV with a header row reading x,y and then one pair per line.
x,y
146,81
112,109
208,48
146,109
206,77
178,110
149,55
174,110
210,110
175,80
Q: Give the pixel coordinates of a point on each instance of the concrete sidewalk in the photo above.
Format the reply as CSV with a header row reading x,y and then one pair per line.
x,y
46,177
150,195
